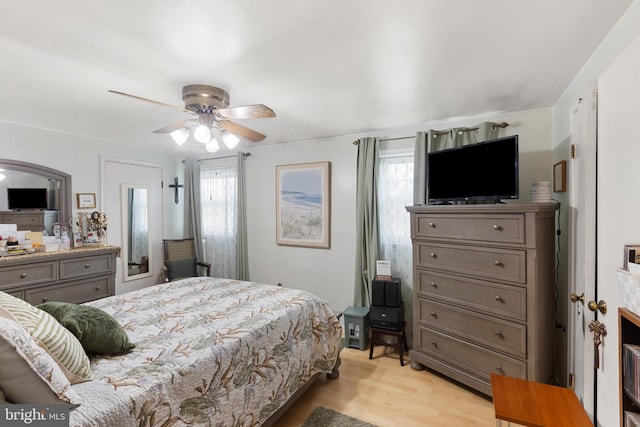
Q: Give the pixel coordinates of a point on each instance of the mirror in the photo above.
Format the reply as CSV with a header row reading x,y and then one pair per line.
x,y
135,231
59,187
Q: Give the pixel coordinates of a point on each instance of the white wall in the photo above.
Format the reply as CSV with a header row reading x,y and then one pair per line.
x,y
330,272
80,158
615,160
327,272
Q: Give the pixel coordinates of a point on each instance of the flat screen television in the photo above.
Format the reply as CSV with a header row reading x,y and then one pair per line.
x,y
486,171
27,198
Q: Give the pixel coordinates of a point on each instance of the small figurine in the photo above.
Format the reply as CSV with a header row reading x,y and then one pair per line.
x,y
102,227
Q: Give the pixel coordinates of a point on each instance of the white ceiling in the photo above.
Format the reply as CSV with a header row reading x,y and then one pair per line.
x,y
327,68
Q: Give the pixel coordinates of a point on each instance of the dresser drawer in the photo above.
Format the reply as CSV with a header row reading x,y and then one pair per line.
x,y
506,228
86,266
29,220
499,335
485,297
29,274
494,263
468,357
78,292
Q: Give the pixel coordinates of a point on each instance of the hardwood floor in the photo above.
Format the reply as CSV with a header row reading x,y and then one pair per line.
x,y
382,392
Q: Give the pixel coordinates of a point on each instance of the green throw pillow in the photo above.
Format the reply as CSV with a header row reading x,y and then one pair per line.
x,y
181,268
97,331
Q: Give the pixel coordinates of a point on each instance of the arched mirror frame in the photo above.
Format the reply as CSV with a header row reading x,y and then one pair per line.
x,y
65,201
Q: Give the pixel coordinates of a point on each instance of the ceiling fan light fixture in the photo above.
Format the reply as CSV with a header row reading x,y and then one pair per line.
x,y
212,146
230,140
202,134
179,136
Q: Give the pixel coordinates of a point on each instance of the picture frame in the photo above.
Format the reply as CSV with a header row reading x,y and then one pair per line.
x,y
303,205
560,177
86,200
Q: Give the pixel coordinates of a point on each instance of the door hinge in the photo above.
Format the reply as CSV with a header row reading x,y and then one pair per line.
x,y
572,381
573,151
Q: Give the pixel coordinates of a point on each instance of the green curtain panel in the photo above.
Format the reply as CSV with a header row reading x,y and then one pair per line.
x,y
435,140
242,253
366,220
193,220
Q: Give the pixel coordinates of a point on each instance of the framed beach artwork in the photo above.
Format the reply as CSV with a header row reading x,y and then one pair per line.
x,y
303,204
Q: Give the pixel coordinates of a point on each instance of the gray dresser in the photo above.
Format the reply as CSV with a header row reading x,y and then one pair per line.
x,y
483,284
76,276
30,220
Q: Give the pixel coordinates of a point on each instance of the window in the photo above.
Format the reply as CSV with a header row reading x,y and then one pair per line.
x,y
219,207
395,192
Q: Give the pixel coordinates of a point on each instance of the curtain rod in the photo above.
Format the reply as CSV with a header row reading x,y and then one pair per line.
x,y
439,132
224,157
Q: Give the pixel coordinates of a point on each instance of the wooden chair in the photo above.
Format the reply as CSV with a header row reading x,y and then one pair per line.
x,y
180,260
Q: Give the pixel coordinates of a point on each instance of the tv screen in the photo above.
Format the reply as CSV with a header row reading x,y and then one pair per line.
x,y
27,198
485,171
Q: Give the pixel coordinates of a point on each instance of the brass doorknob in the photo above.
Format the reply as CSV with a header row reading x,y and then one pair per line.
x,y
600,305
575,298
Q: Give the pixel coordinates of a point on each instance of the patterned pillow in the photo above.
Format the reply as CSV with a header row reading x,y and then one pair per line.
x,y
51,335
29,374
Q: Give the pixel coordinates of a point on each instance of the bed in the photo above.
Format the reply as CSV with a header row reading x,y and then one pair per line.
x,y
208,352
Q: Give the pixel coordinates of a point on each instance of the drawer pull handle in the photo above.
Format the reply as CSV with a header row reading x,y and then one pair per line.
x,y
432,255
432,225
23,275
434,285
97,288
434,314
497,262
45,299
87,266
499,298
499,368
497,227
434,344
498,334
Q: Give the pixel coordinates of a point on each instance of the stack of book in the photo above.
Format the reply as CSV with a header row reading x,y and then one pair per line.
x,y
631,361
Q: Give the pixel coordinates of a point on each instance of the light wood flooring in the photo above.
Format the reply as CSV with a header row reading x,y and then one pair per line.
x,y
382,392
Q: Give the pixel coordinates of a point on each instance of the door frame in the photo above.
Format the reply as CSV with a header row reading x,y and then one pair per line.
x,y
583,195
156,222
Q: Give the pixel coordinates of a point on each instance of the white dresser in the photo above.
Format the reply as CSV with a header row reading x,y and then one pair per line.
x,y
484,284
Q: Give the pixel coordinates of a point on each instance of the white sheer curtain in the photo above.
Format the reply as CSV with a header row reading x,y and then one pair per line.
x,y
395,192
219,205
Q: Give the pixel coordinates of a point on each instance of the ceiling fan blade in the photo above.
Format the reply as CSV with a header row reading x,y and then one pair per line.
x,y
153,102
242,131
256,111
175,126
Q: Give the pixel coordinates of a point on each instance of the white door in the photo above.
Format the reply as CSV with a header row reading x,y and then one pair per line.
x,y
582,241
618,207
115,173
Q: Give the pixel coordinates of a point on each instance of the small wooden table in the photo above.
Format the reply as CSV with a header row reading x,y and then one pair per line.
x,y
536,404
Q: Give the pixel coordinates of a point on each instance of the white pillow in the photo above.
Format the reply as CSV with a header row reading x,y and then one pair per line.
x,y
29,374
51,335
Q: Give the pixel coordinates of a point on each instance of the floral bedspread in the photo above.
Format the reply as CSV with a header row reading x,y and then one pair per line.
x,y
209,352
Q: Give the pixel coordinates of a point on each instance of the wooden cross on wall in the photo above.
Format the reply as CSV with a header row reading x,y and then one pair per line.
x,y
175,186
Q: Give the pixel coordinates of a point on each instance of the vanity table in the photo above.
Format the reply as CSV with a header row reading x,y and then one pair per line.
x,y
76,276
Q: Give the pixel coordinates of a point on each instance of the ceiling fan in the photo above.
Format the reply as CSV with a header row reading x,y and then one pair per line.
x,y
212,123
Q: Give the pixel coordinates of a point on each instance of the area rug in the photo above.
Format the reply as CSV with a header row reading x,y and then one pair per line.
x,y
325,417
